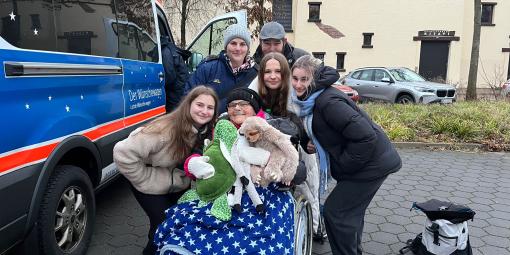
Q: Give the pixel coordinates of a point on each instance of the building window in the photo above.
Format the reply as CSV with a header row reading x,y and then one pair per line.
x,y
488,14
340,60
314,12
319,55
367,40
282,13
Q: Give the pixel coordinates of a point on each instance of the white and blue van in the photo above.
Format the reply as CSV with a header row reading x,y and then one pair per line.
x,y
75,78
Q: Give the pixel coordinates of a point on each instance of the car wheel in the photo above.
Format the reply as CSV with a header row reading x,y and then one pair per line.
x,y
67,212
405,99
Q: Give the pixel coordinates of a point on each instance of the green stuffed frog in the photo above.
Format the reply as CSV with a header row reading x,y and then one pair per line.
x,y
213,188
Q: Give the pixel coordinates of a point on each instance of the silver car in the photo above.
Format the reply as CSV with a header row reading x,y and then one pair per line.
x,y
397,85
505,89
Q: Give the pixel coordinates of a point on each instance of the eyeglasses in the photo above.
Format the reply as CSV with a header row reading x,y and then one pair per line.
x,y
241,104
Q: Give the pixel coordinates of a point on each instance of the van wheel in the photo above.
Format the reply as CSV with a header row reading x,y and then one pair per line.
x,y
405,99
66,216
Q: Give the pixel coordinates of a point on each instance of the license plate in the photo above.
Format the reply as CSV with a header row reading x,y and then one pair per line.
x,y
446,101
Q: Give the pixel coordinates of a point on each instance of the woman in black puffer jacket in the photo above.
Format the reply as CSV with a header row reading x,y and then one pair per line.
x,y
350,145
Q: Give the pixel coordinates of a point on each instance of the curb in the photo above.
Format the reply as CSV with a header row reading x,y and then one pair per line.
x,y
420,145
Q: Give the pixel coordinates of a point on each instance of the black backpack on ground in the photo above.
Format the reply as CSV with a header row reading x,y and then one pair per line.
x,y
442,218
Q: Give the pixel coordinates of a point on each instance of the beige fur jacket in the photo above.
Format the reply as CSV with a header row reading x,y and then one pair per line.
x,y
144,159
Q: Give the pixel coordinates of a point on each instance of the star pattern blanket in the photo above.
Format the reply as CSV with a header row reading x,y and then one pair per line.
x,y
191,229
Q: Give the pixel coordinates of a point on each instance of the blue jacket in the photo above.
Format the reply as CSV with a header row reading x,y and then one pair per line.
x,y
215,72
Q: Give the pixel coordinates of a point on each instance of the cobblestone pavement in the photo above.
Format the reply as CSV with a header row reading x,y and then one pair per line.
x,y
479,180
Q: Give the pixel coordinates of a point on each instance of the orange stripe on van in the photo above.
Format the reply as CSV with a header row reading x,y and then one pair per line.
x,y
31,155
23,157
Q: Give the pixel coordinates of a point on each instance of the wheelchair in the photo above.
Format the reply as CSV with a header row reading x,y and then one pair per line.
x,y
303,227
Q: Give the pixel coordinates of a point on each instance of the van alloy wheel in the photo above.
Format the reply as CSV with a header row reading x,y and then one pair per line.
x,y
70,219
67,212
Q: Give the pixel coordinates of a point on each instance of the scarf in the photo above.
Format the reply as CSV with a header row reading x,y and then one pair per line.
x,y
248,63
306,113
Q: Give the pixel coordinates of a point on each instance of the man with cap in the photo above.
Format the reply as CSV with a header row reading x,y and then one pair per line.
x,y
232,68
272,39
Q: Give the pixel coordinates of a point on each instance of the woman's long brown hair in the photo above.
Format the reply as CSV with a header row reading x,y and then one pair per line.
x,y
179,125
275,100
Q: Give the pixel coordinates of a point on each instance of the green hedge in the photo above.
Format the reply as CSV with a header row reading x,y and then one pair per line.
x,y
482,122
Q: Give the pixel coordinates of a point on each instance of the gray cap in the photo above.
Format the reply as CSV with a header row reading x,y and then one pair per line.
x,y
272,30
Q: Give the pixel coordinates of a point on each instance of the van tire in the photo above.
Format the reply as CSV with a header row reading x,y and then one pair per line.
x,y
71,185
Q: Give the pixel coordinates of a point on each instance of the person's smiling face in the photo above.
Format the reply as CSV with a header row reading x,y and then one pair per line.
x,y
301,80
272,75
202,109
237,49
239,110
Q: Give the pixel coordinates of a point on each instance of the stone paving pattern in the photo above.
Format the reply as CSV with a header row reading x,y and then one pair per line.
x,y
479,180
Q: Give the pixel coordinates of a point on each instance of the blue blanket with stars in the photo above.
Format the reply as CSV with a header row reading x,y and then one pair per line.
x,y
189,229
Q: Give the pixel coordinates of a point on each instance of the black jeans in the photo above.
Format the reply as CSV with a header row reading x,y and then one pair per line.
x,y
344,214
154,206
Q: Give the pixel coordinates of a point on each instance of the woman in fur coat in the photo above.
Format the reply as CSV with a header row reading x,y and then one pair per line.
x,y
149,156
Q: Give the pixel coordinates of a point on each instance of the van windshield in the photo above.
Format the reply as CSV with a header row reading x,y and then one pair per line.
x,y
404,74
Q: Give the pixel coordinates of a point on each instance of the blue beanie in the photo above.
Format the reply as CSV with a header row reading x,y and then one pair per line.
x,y
236,31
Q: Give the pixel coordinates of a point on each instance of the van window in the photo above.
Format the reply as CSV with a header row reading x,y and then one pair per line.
x,y
137,30
217,34
28,24
86,27
210,42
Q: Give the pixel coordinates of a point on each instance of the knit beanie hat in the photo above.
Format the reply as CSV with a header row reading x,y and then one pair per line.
x,y
247,95
236,31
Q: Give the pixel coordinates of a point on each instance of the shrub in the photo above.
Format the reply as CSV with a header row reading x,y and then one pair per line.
x,y
483,122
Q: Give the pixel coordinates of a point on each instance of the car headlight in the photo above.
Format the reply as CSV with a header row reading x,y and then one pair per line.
x,y
423,89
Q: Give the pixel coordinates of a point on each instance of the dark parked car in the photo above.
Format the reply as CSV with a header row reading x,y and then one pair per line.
x,y
397,85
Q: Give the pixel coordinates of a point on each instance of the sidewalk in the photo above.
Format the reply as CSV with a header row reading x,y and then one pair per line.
x,y
479,180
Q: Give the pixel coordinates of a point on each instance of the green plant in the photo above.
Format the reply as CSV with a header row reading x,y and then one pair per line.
x,y
483,122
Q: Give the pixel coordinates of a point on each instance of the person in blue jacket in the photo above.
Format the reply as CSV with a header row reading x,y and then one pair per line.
x,y
232,68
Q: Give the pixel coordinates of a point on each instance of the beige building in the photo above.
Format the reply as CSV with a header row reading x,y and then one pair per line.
x,y
433,37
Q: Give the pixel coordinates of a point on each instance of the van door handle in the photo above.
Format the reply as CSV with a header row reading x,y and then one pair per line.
x,y
17,69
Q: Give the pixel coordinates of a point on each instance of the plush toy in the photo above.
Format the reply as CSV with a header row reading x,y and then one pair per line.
x,y
255,156
214,187
283,159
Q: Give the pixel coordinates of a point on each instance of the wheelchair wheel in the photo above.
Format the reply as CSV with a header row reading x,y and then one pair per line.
x,y
303,227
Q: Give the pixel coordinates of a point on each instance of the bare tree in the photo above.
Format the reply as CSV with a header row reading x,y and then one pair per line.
x,y
475,52
259,12
190,14
494,78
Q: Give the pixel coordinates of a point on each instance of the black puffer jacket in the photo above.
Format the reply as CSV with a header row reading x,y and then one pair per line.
x,y
358,148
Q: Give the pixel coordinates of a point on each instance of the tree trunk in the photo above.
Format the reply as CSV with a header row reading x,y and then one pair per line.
x,y
184,18
475,52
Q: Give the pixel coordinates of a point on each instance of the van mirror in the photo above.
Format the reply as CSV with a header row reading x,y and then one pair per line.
x,y
194,60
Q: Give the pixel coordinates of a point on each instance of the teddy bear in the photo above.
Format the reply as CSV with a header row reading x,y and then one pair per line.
x,y
284,158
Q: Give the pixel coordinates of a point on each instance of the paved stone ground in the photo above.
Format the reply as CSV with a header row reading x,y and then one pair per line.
x,y
479,180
